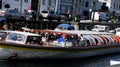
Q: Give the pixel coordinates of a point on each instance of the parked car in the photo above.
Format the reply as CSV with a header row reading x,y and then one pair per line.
x,y
101,28
32,15
80,17
11,13
50,15
103,17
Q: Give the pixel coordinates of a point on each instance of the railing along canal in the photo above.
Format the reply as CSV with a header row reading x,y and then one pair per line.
x,y
16,24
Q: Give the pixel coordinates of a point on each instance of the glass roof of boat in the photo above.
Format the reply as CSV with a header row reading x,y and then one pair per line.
x,y
19,32
82,32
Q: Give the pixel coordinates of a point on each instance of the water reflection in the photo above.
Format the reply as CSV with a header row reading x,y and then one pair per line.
x,y
99,61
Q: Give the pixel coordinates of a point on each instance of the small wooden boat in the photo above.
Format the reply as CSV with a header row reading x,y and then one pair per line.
x,y
45,44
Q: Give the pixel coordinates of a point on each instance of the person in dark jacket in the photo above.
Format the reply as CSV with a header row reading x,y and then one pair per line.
x,y
3,24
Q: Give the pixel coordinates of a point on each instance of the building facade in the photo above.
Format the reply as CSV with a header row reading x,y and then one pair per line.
x,y
20,5
82,7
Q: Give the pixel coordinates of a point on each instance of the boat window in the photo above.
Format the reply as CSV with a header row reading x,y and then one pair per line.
x,y
89,40
34,39
44,11
92,40
16,37
99,39
107,39
2,35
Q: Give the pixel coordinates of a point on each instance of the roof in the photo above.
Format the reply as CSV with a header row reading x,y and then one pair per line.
x,y
67,26
86,32
23,33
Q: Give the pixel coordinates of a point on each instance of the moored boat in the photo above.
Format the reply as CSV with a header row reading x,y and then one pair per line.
x,y
49,44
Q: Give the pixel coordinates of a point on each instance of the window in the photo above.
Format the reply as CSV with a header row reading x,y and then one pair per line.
x,y
16,9
86,4
12,37
16,0
67,1
43,2
83,2
26,1
119,7
50,2
44,11
78,1
16,37
51,12
33,40
0,4
63,9
3,35
114,6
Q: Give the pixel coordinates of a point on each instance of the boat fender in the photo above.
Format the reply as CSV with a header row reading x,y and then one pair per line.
x,y
13,56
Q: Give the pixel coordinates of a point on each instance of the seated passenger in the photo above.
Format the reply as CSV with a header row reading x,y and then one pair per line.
x,y
83,41
61,41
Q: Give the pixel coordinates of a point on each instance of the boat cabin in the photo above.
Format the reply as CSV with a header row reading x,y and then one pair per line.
x,y
19,37
73,38
64,26
59,38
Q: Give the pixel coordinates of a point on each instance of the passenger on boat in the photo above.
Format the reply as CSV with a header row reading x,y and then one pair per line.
x,y
74,40
51,37
61,40
3,25
68,40
83,40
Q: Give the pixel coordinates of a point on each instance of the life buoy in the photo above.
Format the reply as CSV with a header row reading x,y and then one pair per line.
x,y
92,41
110,39
107,42
118,38
115,39
98,39
88,39
13,56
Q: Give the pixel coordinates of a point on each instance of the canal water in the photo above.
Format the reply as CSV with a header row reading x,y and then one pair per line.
x,y
111,60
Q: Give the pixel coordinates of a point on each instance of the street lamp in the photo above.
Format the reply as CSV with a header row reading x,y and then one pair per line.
x,y
21,6
38,10
93,10
74,9
56,6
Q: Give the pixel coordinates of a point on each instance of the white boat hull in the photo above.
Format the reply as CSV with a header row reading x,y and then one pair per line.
x,y
26,53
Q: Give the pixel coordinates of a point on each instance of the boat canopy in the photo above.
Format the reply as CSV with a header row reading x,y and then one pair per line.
x,y
67,26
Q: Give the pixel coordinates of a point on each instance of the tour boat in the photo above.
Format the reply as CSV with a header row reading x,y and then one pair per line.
x,y
54,44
